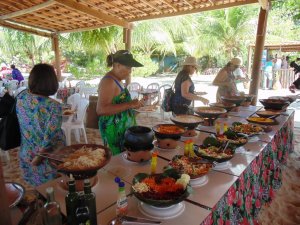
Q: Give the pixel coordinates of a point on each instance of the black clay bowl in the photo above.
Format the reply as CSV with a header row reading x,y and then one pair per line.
x,y
227,106
172,131
209,112
188,121
139,137
275,104
233,99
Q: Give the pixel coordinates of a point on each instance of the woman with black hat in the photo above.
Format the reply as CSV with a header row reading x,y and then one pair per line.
x,y
115,106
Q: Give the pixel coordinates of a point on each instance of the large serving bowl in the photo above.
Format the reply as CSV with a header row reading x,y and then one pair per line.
x,y
14,193
275,104
214,150
233,99
171,131
70,155
268,113
224,105
236,139
162,190
188,121
209,112
138,138
195,167
289,98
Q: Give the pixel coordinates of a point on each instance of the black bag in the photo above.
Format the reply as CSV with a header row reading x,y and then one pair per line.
x,y
166,104
10,136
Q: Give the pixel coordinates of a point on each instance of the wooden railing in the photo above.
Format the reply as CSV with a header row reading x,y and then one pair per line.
x,y
286,77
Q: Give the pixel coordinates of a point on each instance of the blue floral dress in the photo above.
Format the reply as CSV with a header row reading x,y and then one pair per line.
x,y
40,121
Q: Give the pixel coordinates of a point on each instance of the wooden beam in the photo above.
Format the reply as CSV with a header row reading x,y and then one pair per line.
x,y
264,4
170,5
55,47
28,10
31,25
24,29
249,59
195,10
127,33
97,14
187,2
4,207
85,28
149,4
259,47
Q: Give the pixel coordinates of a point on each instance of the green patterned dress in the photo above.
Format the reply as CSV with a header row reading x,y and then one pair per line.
x,y
113,127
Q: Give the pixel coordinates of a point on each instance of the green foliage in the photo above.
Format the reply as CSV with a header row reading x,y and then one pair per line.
x,y
149,67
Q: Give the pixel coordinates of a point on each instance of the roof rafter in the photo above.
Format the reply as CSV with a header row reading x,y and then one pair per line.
x,y
24,29
87,10
195,10
152,6
187,2
170,5
28,10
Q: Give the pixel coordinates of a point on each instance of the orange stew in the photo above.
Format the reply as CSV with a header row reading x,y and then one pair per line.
x,y
167,129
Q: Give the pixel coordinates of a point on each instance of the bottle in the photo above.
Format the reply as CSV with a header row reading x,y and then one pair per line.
x,y
122,202
225,127
52,215
186,148
82,212
218,128
71,200
90,201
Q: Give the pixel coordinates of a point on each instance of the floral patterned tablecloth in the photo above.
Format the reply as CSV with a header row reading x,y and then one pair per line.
x,y
257,184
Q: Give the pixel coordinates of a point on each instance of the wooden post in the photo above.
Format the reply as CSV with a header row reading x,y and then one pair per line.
x,y
55,48
259,47
127,42
5,218
249,59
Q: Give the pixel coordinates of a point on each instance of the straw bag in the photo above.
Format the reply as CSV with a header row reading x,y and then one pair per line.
x,y
166,104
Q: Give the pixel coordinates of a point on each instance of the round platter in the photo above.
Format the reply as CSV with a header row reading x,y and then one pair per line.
x,y
79,173
223,166
262,121
268,113
209,112
189,121
15,193
161,213
199,182
168,131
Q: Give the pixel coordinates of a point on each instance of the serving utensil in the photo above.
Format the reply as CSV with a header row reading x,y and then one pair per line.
x,y
132,220
49,156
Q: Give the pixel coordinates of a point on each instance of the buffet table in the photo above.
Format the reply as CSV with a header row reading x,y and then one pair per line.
x,y
231,195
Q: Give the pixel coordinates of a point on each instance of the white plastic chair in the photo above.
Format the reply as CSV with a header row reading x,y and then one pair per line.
x,y
1,83
78,124
133,89
154,98
74,100
19,90
23,83
161,95
80,86
13,84
87,91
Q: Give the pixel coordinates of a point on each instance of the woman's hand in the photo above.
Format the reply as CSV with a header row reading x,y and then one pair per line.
x,y
135,104
204,100
37,160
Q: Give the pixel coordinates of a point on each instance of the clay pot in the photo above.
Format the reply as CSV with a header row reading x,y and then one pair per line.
x,y
138,138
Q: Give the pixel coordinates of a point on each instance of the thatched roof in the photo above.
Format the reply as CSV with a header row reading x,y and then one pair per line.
x,y
44,17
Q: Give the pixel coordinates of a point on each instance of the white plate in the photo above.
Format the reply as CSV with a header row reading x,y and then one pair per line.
x,y
165,149
161,213
146,109
124,156
223,166
198,182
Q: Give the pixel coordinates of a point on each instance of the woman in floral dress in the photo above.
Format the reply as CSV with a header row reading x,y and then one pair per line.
x,y
40,119
114,104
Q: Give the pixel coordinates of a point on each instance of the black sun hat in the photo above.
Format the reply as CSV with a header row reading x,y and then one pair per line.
x,y
125,58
